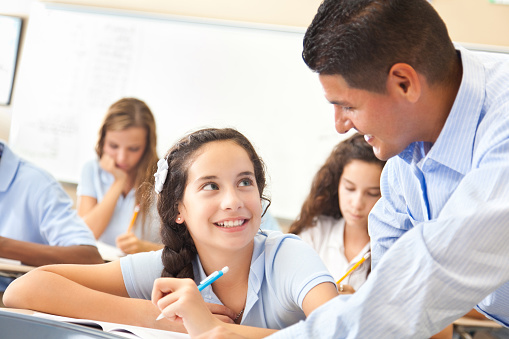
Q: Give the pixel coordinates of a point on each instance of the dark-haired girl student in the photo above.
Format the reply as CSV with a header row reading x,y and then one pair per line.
x,y
334,216
209,196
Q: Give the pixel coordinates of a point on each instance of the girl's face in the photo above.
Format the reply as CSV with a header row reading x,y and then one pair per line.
x,y
359,190
221,204
126,147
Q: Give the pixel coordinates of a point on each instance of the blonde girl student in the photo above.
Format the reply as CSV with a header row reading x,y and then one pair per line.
x,y
209,196
109,190
334,216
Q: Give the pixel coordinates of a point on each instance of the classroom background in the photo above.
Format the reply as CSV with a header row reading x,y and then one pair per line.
x,y
479,24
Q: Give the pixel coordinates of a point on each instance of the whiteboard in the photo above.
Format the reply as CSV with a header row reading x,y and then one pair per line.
x,y
9,42
192,74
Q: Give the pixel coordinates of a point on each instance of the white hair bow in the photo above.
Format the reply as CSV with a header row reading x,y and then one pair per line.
x,y
160,175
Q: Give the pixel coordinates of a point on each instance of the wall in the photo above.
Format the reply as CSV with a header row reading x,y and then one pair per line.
x,y
475,21
16,8
471,21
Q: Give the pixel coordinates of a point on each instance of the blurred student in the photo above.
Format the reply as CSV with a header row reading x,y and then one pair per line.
x,y
111,186
37,223
334,216
210,190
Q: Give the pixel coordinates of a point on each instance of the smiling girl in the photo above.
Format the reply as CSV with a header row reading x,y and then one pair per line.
x,y
209,190
109,188
334,216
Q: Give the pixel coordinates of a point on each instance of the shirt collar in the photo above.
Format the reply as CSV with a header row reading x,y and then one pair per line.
x,y
9,164
449,150
256,274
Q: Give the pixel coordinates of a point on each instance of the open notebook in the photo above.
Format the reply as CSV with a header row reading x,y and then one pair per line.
x,y
126,331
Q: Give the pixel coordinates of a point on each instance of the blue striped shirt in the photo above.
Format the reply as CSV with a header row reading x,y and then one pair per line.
x,y
448,204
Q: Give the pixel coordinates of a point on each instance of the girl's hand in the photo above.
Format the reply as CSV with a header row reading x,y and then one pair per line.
x,y
345,289
222,313
129,243
180,300
107,163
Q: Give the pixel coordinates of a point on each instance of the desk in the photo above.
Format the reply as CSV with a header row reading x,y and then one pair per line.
x,y
15,324
19,323
465,326
14,271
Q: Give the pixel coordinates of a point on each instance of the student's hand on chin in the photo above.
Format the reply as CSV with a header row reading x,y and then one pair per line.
x,y
107,163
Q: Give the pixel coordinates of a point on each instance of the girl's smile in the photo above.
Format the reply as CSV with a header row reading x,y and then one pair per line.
x,y
221,205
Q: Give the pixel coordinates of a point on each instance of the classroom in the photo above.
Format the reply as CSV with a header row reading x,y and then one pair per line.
x,y
197,65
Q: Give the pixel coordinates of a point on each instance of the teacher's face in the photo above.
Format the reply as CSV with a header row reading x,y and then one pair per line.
x,y
379,117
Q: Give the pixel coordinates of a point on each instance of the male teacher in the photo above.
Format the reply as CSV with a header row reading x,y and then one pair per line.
x,y
440,114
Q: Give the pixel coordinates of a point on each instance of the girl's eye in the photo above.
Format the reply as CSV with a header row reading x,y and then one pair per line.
x,y
210,187
134,149
351,189
246,182
375,195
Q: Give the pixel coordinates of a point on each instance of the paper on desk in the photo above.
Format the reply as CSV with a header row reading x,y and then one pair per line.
x,y
108,252
9,261
122,330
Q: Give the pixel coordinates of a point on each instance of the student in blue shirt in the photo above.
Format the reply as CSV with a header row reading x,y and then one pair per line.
x,y
440,115
210,190
111,186
37,223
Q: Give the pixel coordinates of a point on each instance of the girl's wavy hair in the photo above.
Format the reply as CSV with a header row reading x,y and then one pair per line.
x,y
323,199
179,248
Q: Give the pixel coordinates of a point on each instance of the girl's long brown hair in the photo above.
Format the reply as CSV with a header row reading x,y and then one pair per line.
x,y
323,199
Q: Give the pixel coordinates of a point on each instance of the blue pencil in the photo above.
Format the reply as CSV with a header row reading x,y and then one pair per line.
x,y
211,278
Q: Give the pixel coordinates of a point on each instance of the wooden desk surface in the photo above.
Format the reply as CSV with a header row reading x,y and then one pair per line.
x,y
13,271
471,322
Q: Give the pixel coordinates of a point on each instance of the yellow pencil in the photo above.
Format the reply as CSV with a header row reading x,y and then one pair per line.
x,y
136,210
366,256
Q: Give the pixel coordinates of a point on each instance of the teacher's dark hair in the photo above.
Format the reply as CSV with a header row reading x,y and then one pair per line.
x,y
361,40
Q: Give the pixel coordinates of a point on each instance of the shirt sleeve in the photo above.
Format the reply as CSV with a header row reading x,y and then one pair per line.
x,y
298,269
308,237
86,184
436,271
58,222
388,219
140,271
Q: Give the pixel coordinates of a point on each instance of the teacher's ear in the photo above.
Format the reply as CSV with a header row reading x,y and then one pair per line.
x,y
404,82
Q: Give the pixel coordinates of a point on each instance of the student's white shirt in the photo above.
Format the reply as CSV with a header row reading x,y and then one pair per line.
x,y
327,238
